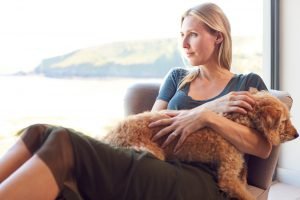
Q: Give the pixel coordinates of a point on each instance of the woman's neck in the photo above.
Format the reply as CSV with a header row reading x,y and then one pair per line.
x,y
210,81
214,73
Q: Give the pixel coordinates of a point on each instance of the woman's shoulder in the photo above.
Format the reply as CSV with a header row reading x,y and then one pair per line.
x,y
178,73
249,77
180,70
250,80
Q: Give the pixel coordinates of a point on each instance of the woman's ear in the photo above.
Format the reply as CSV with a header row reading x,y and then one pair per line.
x,y
219,38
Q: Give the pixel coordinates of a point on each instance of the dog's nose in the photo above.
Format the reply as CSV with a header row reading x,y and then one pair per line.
x,y
296,135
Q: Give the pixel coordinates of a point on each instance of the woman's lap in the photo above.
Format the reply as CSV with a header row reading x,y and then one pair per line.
x,y
111,173
104,172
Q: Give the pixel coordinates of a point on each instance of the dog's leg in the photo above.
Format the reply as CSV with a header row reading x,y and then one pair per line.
x,y
230,182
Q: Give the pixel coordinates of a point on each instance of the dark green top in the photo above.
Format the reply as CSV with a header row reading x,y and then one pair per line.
x,y
179,99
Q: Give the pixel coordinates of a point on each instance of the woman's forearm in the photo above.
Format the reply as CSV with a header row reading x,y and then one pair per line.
x,y
159,105
245,139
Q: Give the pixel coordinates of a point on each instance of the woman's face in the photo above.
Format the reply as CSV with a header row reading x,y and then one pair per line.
x,y
198,43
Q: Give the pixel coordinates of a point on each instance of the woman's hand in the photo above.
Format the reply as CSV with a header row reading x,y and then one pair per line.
x,y
185,122
181,124
239,101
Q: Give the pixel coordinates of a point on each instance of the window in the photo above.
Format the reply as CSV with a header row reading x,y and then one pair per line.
x,y
51,53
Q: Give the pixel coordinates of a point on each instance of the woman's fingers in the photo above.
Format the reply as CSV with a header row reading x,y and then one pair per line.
x,y
180,142
240,102
170,138
182,137
171,113
164,122
240,106
162,133
242,95
160,122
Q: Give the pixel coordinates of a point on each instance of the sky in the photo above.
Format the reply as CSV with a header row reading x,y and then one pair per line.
x,y
32,30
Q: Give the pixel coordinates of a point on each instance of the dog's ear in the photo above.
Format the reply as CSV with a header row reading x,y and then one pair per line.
x,y
270,119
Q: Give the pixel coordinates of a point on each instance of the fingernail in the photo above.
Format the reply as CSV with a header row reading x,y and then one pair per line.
x,y
175,150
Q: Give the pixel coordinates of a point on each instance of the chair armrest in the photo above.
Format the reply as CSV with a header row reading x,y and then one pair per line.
x,y
261,171
283,96
140,97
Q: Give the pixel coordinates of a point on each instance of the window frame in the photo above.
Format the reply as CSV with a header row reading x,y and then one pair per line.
x,y
275,44
271,43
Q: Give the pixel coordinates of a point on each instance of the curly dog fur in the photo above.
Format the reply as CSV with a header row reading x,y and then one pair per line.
x,y
270,117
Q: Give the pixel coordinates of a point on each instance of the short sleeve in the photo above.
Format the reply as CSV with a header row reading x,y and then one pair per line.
x,y
254,80
171,83
244,82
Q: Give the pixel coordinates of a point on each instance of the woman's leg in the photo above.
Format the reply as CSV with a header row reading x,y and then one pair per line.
x,y
33,180
19,153
13,159
47,170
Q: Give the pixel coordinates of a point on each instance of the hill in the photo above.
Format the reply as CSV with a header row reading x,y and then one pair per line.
x,y
151,58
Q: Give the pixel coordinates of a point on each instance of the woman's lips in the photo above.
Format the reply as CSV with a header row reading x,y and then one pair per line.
x,y
189,54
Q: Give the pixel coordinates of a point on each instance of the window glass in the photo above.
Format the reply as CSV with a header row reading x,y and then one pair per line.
x,y
69,62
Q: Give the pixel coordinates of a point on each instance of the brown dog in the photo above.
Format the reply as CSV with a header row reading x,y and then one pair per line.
x,y
269,116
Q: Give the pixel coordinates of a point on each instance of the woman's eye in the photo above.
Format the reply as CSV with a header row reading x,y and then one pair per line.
x,y
194,34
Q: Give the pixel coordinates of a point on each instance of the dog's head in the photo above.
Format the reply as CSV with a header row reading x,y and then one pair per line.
x,y
272,117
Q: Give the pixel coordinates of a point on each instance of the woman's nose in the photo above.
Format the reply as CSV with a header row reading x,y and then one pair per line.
x,y
185,43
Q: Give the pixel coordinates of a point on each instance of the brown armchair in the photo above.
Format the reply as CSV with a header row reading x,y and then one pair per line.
x,y
141,96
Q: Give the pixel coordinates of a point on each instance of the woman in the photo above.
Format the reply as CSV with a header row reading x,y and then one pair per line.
x,y
54,162
208,88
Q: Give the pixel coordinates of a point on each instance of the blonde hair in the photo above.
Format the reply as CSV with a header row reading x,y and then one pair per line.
x,y
216,21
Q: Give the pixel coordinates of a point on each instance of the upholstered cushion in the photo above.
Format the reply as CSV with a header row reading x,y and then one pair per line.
x,y
140,97
284,96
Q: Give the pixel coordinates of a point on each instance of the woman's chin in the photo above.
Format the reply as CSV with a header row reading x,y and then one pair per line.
x,y
193,64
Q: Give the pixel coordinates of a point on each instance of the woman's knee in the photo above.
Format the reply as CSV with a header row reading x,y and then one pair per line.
x,y
58,142
34,136
35,129
60,135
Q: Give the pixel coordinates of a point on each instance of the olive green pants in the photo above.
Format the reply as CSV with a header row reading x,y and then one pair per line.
x,y
103,172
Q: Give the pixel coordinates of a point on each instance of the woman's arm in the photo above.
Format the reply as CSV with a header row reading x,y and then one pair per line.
x,y
159,105
245,139
186,122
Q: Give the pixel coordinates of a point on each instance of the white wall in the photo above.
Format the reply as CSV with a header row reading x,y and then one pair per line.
x,y
289,162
